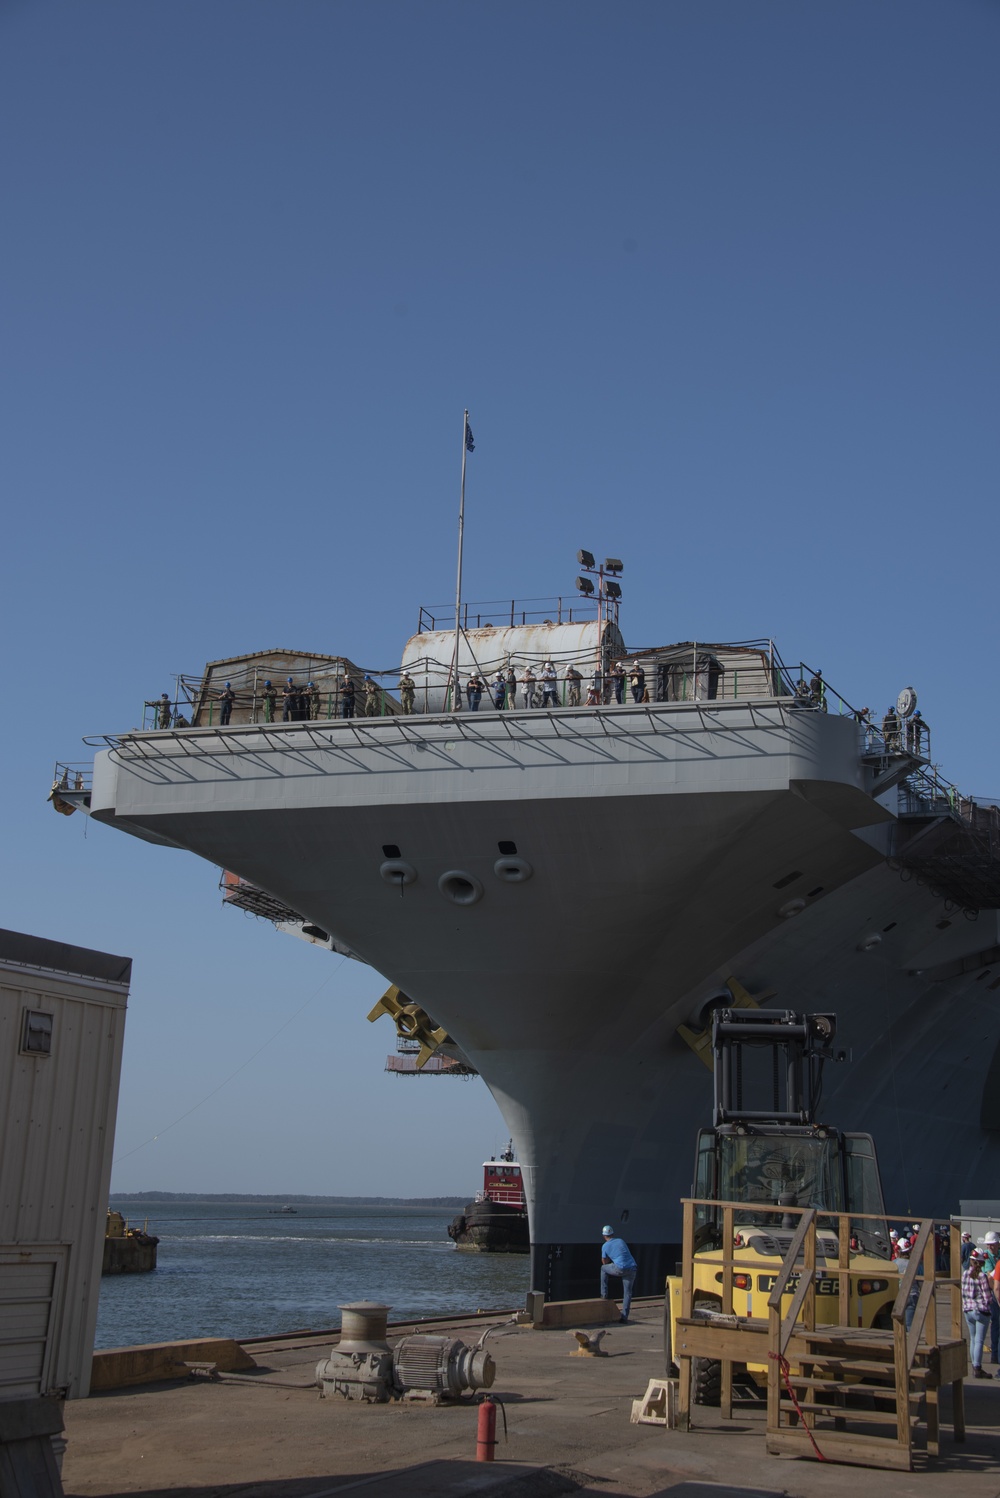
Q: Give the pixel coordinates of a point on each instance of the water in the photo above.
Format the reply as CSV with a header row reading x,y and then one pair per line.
x,y
231,1270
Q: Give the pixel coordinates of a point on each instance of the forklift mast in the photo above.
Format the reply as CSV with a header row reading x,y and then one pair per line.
x,y
800,1045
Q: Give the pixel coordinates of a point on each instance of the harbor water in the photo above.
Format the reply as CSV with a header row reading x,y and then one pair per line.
x,y
239,1270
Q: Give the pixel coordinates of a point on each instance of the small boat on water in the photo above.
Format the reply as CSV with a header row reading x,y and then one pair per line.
x,y
497,1221
285,1211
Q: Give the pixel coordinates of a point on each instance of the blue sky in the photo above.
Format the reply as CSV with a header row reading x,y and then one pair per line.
x,y
717,282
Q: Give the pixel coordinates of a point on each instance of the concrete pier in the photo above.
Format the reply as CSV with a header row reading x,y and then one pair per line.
x,y
267,1434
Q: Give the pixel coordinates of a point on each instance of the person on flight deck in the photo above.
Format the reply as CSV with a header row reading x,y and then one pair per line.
x,y
917,728
550,694
499,691
163,711
289,701
312,700
617,676
347,695
407,688
474,692
270,702
637,681
528,679
817,691
594,691
574,678
227,698
616,1260
511,680
371,698
890,730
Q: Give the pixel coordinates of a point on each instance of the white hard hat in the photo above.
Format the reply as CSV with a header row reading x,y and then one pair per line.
x,y
991,1238
607,1230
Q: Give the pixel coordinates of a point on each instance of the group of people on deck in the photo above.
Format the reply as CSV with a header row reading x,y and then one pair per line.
x,y
294,703
542,688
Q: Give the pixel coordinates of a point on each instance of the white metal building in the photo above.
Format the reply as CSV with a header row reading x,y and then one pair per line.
x,y
62,1022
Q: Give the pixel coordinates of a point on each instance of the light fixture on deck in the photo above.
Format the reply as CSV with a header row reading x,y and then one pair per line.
x,y
585,558
613,565
612,590
585,585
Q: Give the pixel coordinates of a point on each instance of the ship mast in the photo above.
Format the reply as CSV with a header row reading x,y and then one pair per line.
x,y
468,446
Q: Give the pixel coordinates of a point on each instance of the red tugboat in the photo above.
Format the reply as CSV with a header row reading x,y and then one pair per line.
x,y
497,1221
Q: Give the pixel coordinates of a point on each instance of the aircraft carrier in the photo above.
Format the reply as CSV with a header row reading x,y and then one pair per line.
x,y
560,894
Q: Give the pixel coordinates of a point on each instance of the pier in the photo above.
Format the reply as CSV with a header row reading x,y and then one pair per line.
x,y
265,1433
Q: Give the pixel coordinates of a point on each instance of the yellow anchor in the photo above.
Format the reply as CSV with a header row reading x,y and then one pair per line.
x,y
412,1022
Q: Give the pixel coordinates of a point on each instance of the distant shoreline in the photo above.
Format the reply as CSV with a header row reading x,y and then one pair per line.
x,y
288,1200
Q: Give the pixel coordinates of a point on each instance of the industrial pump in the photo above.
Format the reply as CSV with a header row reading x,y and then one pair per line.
x,y
428,1368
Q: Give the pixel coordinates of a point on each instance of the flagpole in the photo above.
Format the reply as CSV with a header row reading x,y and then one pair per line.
x,y
455,703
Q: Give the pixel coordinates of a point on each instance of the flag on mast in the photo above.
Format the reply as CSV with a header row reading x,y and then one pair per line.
x,y
470,445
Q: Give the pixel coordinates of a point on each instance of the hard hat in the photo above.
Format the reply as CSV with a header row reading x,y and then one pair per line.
x,y
312,683
267,683
893,1233
991,1238
607,1231
918,713
228,685
289,679
977,1254
164,694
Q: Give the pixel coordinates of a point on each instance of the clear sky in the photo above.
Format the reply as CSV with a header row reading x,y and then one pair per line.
x,y
717,280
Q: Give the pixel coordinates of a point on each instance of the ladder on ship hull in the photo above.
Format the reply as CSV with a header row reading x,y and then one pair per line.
x,y
823,1382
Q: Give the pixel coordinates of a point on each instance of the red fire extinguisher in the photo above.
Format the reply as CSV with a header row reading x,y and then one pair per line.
x,y
486,1432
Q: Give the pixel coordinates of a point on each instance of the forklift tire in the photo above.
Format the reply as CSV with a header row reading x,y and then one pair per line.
x,y
706,1373
706,1381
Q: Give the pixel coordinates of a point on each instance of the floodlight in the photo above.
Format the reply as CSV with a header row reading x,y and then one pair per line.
x,y
612,590
612,564
585,585
585,558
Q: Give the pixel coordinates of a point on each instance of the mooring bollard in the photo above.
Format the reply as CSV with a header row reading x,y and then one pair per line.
x,y
486,1433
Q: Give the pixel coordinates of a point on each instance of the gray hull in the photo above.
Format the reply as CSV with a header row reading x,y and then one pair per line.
x,y
669,848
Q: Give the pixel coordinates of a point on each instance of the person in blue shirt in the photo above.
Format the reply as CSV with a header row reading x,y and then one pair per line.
x,y
616,1260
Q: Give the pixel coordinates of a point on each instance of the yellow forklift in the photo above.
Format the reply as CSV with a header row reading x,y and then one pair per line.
x,y
767,1152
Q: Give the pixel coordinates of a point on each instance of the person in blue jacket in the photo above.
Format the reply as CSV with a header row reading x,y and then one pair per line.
x,y
616,1260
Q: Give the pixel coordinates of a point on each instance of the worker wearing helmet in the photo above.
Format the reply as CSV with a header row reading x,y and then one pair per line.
x,y
617,1260
227,697
270,702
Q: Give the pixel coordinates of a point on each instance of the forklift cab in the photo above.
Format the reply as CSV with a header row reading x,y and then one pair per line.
x,y
804,1166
